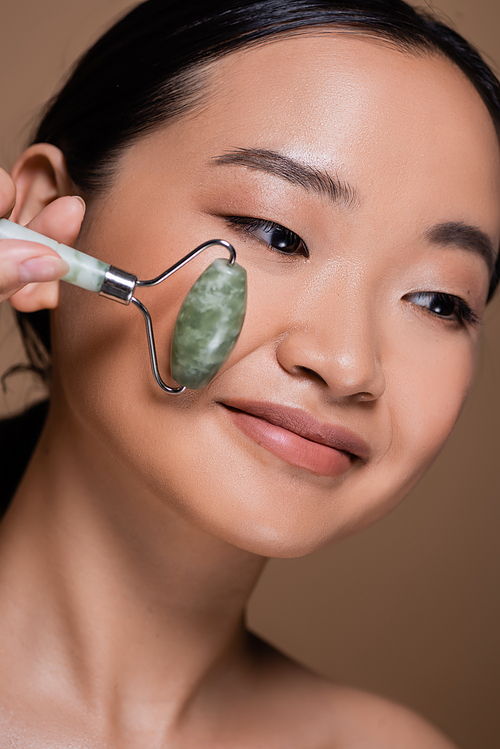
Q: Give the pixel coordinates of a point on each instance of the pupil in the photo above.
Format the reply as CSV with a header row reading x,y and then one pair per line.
x,y
443,305
283,240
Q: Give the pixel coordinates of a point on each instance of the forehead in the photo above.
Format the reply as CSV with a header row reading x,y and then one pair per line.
x,y
347,82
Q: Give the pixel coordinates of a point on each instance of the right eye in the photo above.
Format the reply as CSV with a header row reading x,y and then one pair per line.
x,y
278,237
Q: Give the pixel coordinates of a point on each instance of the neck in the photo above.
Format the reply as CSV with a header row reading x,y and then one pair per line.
x,y
133,604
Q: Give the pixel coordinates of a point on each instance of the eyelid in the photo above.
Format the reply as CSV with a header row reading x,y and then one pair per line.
x,y
462,314
246,223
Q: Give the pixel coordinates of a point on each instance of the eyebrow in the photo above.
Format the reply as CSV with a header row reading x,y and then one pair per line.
x,y
466,237
302,175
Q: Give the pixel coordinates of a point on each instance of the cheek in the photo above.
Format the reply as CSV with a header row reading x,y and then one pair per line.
x,y
427,400
93,342
436,393
101,358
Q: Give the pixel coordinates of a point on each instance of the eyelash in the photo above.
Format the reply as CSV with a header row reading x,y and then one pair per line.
x,y
251,225
460,312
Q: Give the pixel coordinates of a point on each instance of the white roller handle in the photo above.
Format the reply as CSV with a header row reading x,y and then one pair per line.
x,y
84,271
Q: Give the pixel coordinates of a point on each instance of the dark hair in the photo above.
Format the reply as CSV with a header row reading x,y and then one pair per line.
x,y
148,69
143,71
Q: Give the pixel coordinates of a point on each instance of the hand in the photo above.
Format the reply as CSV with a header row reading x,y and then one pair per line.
x,y
29,272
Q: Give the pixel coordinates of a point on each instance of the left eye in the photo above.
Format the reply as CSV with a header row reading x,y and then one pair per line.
x,y
446,306
278,237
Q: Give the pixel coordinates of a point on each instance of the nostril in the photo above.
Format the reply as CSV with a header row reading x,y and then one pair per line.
x,y
312,374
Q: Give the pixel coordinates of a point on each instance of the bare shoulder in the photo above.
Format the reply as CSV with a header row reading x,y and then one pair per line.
x,y
330,716
368,720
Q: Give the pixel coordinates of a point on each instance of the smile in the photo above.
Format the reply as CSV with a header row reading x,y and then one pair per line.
x,y
298,438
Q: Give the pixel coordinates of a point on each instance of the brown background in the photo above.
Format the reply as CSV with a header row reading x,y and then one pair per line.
x,y
409,608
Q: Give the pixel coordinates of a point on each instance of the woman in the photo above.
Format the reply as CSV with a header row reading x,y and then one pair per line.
x,y
349,151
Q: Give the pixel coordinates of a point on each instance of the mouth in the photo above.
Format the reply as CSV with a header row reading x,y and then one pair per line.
x,y
298,438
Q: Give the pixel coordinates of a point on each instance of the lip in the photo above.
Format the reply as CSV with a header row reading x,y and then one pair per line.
x,y
297,437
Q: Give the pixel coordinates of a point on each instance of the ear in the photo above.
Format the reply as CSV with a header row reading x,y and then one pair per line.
x,y
40,176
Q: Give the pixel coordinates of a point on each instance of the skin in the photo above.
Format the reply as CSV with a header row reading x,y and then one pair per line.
x,y
144,520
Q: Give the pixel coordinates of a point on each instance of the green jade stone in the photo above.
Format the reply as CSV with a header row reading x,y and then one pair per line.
x,y
208,324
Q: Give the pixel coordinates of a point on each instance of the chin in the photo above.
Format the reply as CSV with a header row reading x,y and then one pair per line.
x,y
284,530
287,516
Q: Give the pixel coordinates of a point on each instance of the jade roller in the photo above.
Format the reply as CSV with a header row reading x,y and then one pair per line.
x,y
209,321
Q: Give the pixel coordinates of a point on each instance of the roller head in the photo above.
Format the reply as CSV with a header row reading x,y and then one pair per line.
x,y
208,324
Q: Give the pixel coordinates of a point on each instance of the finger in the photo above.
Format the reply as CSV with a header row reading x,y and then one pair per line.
x,y
35,266
60,220
7,194
26,262
36,296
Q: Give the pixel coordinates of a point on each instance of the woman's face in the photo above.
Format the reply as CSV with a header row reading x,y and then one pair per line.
x,y
362,327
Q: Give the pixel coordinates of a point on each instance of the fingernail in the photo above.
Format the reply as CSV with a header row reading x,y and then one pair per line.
x,y
78,197
45,268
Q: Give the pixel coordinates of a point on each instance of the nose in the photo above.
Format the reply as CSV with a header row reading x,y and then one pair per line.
x,y
336,346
